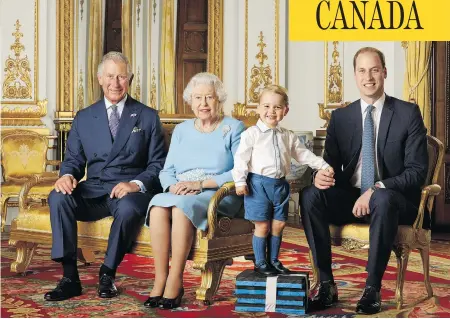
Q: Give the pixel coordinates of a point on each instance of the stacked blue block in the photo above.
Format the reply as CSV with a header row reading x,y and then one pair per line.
x,y
291,292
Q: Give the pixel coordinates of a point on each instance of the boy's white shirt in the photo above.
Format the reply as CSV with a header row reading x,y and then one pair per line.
x,y
268,152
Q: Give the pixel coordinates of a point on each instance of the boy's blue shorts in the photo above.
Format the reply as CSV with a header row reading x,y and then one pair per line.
x,y
268,199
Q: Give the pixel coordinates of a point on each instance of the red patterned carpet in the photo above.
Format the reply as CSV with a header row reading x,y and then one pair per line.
x,y
22,296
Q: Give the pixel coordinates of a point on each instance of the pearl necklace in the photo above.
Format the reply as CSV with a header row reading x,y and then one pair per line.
x,y
211,129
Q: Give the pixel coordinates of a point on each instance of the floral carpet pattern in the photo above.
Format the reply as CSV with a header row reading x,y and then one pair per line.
x,y
22,296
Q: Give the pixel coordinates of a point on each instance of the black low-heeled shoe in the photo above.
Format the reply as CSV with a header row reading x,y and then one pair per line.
x,y
153,302
171,303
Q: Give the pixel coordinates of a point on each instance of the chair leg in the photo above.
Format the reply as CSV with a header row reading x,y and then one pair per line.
x,y
211,274
425,254
86,256
24,254
3,207
315,272
402,254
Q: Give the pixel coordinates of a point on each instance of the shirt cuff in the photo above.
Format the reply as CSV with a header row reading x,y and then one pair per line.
x,y
238,184
380,183
140,184
67,175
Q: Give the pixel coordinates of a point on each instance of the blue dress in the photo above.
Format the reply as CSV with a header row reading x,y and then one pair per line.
x,y
195,156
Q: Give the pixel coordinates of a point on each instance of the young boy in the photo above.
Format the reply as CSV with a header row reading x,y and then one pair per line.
x,y
261,162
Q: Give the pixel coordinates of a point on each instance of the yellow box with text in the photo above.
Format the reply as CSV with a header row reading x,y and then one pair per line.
x,y
369,20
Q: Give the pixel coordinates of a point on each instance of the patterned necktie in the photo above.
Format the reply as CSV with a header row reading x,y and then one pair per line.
x,y
114,120
368,152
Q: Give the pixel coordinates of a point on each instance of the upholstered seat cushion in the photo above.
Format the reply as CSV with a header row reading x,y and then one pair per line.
x,y
37,217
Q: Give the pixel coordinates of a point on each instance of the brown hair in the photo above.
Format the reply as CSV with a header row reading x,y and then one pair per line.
x,y
277,89
369,49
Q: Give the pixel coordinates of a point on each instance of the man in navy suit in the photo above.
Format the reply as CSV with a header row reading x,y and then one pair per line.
x,y
120,142
377,147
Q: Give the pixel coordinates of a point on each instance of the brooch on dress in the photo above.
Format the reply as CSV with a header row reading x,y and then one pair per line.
x,y
225,130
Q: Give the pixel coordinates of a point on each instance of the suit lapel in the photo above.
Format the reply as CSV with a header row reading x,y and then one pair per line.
x,y
126,125
101,126
385,122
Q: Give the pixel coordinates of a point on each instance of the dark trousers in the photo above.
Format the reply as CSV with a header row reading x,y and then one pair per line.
x,y
388,209
66,210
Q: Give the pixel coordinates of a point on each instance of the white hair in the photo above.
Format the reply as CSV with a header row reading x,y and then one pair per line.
x,y
116,57
205,78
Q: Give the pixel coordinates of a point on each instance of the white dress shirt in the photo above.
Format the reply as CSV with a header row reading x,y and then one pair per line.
x,y
109,110
376,115
268,152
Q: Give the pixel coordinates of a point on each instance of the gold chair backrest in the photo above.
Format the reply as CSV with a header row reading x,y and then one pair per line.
x,y
435,157
23,153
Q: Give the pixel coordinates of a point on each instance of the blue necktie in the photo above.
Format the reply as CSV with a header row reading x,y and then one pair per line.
x,y
114,119
368,152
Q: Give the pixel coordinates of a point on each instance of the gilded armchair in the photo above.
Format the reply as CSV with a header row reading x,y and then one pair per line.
x,y
23,154
356,236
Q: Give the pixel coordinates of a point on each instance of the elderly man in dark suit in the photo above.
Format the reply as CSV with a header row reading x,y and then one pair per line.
x,y
120,142
377,147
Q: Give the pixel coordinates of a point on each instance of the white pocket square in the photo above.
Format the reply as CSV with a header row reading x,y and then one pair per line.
x,y
133,115
136,129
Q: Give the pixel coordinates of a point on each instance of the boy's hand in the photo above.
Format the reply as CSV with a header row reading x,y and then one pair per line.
x,y
242,190
330,170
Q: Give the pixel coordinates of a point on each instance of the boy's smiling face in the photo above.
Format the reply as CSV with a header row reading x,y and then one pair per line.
x,y
271,109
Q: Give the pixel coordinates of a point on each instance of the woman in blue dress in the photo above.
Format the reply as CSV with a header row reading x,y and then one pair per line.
x,y
199,161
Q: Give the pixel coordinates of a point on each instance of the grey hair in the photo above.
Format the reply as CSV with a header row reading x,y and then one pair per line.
x,y
116,57
205,78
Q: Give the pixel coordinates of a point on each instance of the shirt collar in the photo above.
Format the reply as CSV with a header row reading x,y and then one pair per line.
x,y
264,128
120,105
378,105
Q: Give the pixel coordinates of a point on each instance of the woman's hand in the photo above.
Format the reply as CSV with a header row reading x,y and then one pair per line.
x,y
185,188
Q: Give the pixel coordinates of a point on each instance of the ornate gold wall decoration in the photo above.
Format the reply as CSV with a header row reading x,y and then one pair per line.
x,y
154,10
240,112
261,75
153,89
13,115
335,79
138,10
17,77
65,52
138,86
81,9
405,44
80,93
215,38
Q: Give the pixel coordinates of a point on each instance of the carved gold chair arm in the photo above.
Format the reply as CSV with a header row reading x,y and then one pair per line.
x,y
224,191
33,181
427,196
53,162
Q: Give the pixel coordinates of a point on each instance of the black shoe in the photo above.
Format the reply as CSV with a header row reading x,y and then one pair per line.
x,y
153,302
370,302
280,268
266,269
171,303
65,289
106,287
325,296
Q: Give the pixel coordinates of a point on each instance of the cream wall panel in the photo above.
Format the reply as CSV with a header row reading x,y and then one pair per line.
x,y
155,39
231,53
138,49
11,12
81,52
306,78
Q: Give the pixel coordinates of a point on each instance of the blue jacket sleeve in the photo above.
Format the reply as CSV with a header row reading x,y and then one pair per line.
x,y
167,176
236,132
74,158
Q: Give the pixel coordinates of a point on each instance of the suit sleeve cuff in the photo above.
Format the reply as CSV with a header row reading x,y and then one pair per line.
x,y
140,184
